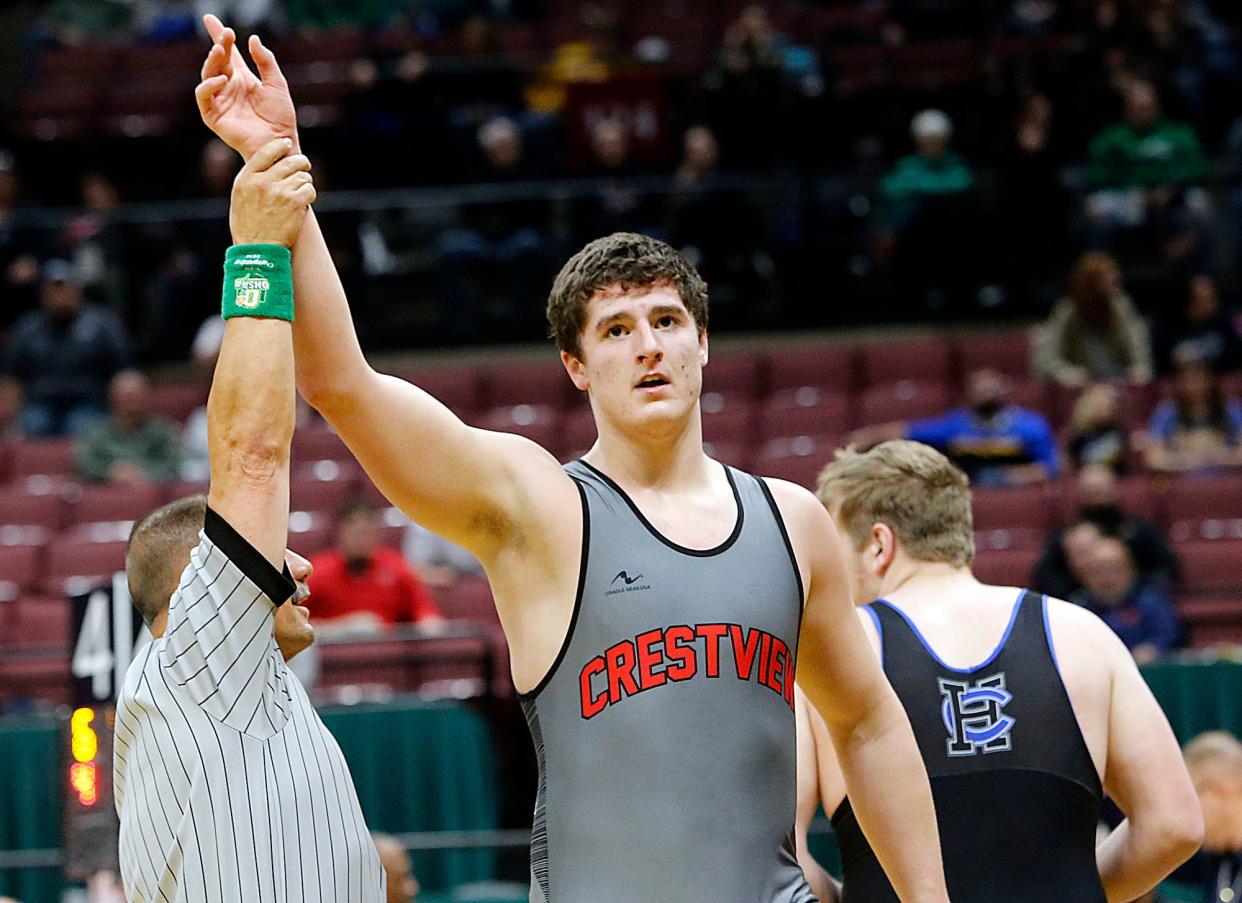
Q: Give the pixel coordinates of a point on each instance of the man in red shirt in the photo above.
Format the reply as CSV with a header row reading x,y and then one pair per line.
x,y
361,584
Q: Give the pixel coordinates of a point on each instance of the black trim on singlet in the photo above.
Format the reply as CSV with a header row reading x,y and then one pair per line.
x,y
277,585
780,523
696,553
573,618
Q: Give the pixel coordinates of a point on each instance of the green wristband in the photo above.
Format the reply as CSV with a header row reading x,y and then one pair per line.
x,y
258,282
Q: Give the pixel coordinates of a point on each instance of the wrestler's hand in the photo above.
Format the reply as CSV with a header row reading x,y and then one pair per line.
x,y
246,111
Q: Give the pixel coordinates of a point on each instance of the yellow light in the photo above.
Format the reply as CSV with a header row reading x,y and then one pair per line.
x,y
82,739
84,779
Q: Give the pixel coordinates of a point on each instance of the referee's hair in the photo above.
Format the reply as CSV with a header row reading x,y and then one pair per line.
x,y
159,549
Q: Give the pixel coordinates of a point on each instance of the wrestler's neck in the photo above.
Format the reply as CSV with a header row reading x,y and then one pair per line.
x,y
663,457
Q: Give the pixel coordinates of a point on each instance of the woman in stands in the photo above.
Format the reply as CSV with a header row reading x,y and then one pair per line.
x,y
1096,435
1200,428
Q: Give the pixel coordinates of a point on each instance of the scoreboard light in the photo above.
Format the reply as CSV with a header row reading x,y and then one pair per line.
x,y
82,738
84,779
84,744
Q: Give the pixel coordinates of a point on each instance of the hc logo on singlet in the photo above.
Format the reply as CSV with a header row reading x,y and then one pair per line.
x,y
974,715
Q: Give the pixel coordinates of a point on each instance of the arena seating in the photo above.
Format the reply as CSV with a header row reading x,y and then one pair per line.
x,y
779,411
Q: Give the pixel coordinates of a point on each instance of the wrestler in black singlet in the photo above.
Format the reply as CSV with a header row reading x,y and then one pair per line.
x,y
1017,795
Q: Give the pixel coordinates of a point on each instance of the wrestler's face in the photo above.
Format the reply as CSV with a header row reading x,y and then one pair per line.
x,y
294,631
642,361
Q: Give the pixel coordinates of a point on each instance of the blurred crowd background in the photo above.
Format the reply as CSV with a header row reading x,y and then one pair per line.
x,y
1007,228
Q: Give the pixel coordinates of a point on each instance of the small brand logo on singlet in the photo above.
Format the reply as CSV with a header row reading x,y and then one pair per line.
x,y
624,583
974,715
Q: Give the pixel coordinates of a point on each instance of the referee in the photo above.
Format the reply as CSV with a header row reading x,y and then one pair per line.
x,y
228,786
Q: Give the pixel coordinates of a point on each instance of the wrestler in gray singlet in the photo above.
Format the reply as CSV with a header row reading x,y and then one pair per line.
x,y
665,729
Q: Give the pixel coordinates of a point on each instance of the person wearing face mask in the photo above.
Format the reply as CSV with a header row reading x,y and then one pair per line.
x,y
993,440
228,784
1099,508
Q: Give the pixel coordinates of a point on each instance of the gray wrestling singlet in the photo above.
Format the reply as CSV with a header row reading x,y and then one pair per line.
x,y
665,729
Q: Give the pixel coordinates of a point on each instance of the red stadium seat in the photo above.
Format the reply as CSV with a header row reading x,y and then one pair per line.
x,y
1026,507
22,565
825,366
536,422
906,400
1000,539
50,457
798,459
40,677
1211,566
467,598
311,532
1008,352
1199,498
113,502
1133,493
43,621
537,383
318,443
19,507
925,360
734,422
577,433
806,411
1212,619
1007,567
177,401
323,485
736,375
88,552
735,454
460,388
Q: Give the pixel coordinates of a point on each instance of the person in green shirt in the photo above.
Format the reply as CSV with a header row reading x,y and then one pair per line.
x,y
131,445
1145,171
925,215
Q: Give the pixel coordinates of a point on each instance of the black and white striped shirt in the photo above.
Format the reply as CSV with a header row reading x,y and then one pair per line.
x,y
227,784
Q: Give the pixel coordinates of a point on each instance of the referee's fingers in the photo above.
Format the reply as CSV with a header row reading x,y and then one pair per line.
x,y
289,165
207,89
268,154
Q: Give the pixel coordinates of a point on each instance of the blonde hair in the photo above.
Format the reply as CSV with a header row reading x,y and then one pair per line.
x,y
914,489
1090,406
1207,755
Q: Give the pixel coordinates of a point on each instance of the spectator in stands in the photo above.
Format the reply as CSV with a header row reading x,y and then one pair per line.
x,y
612,204
993,440
1060,567
1146,170
93,241
746,91
19,248
1214,760
1029,244
402,885
1199,429
1201,329
926,212
64,354
1142,614
1095,332
361,585
719,230
437,561
501,240
131,445
1068,555
1096,435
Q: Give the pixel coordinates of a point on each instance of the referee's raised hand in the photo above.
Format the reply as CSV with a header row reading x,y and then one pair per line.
x,y
271,195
